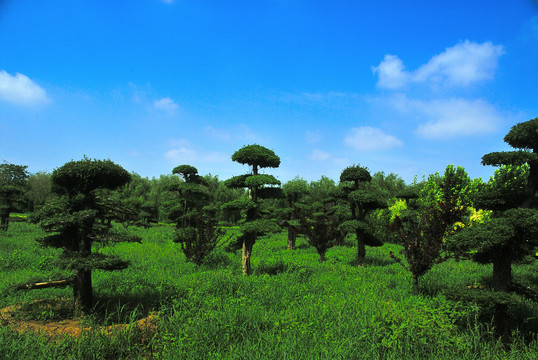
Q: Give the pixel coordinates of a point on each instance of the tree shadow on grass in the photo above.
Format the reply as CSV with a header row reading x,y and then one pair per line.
x,y
372,261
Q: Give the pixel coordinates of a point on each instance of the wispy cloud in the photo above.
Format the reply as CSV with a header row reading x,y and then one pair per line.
x,y
319,155
19,89
369,139
448,118
461,65
166,104
183,152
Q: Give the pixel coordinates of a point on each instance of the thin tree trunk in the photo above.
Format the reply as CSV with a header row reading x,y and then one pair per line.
x,y
361,247
321,257
292,236
246,252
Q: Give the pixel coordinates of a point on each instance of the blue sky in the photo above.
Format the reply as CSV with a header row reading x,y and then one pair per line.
x,y
398,86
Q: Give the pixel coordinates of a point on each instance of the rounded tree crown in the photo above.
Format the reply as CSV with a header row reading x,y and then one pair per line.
x,y
256,155
524,135
87,175
189,173
185,170
355,173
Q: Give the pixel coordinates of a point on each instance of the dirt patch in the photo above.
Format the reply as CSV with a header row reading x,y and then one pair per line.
x,y
70,327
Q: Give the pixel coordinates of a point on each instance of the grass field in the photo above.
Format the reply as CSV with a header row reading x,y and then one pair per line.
x,y
293,307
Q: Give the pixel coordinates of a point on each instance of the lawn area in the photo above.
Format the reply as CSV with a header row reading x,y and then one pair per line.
x,y
293,307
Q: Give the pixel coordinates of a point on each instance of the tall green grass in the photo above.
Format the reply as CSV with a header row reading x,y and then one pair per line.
x,y
293,307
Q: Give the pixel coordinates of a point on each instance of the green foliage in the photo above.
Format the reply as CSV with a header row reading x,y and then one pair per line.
x,y
422,241
87,175
71,220
256,156
355,173
523,135
12,182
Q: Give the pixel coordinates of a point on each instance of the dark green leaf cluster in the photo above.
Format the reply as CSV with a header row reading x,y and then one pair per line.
x,y
256,156
355,173
85,176
515,234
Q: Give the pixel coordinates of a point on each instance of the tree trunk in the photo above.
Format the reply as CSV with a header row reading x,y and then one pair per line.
x,y
502,272
321,257
415,284
361,247
248,243
292,236
83,292
502,280
4,219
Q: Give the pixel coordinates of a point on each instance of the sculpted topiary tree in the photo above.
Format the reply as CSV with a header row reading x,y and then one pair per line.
x,y
362,198
71,221
512,233
511,194
196,223
257,157
294,190
12,181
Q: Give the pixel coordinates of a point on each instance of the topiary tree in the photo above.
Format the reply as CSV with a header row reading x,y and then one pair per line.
x,y
294,190
13,179
362,198
257,157
196,223
71,223
512,233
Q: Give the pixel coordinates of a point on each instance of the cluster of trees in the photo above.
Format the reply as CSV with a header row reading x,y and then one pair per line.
x,y
433,219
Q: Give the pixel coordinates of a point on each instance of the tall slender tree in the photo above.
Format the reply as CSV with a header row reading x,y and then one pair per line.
x,y
259,186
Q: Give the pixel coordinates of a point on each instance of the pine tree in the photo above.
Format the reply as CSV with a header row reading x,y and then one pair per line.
x,y
71,221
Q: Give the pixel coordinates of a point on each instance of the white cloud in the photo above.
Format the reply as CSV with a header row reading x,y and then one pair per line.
x,y
318,155
460,65
19,89
391,73
165,104
368,139
457,117
182,152
448,118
